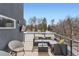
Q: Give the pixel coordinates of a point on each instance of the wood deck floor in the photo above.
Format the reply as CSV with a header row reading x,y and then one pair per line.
x,y
34,53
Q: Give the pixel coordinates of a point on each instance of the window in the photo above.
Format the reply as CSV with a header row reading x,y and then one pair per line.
x,y
7,23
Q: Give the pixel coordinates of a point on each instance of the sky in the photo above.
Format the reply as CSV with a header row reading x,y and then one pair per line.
x,y
50,11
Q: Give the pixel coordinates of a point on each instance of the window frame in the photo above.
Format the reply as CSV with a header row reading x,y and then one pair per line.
x,y
14,27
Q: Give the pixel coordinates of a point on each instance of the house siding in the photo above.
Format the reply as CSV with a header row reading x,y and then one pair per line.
x,y
15,11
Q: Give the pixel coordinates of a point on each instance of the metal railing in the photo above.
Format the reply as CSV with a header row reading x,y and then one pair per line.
x,y
73,45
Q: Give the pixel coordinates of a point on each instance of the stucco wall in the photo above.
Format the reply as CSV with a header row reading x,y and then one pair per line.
x,y
14,11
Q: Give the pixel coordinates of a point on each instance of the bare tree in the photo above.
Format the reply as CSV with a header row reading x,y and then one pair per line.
x,y
32,23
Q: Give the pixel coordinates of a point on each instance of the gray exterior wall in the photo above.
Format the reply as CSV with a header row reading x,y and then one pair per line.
x,y
15,11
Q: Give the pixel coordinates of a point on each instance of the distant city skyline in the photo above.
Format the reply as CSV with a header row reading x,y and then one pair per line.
x,y
51,10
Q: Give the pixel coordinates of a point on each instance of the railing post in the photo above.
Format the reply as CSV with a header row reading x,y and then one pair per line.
x,y
34,35
71,47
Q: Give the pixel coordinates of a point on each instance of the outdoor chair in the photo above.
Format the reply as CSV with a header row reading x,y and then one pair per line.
x,y
42,47
16,46
60,49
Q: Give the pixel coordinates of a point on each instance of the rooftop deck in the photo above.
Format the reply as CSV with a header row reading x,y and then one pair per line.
x,y
33,50
29,43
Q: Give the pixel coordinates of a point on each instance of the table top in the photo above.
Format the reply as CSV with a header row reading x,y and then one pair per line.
x,y
50,41
42,45
45,45
42,40
39,44
53,42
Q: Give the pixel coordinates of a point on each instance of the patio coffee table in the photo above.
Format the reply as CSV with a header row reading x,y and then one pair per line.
x,y
42,47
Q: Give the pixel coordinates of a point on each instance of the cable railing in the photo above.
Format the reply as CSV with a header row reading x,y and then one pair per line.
x,y
73,45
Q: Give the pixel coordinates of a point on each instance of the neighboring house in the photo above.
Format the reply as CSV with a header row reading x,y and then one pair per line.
x,y
11,21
